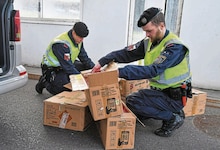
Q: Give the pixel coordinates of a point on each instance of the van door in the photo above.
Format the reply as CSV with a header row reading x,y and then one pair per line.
x,y
7,54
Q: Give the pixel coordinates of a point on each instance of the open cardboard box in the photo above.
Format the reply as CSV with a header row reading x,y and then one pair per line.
x,y
103,94
102,91
67,110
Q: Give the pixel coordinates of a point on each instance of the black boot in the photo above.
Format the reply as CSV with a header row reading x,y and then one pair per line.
x,y
40,85
169,126
181,113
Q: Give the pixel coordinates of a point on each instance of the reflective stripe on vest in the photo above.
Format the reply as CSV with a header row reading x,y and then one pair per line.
x,y
171,77
51,60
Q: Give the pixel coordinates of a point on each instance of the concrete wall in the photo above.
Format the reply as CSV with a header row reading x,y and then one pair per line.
x,y
200,31
35,38
108,23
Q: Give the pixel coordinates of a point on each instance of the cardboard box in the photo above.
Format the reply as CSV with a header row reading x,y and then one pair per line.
x,y
129,86
68,86
199,102
118,132
188,108
104,95
123,98
196,104
67,110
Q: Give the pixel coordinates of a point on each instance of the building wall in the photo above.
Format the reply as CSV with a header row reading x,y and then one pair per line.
x,y
34,40
108,23
200,31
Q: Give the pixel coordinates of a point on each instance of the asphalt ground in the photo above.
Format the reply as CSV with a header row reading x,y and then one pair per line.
x,y
22,128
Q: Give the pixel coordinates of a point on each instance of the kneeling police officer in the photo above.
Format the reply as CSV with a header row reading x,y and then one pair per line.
x,y
64,56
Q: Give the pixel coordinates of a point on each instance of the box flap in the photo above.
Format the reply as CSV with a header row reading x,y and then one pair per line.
x,y
100,78
195,91
68,86
73,98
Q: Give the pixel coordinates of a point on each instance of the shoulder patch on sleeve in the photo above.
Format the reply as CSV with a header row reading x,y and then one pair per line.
x,y
160,59
64,45
169,45
131,47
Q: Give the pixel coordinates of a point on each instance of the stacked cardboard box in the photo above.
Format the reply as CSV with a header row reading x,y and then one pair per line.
x,y
196,104
67,110
104,95
101,103
116,128
118,132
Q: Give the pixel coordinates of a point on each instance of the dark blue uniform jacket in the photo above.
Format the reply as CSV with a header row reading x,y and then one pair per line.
x,y
60,49
174,54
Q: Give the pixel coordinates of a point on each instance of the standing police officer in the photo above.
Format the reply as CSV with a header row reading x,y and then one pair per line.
x,y
60,59
166,65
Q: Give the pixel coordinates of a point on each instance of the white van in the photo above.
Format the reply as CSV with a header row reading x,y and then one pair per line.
x,y
12,74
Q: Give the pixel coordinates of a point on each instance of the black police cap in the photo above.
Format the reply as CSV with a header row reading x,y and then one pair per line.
x,y
81,29
147,16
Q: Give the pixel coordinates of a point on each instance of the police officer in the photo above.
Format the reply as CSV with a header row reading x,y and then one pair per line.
x,y
166,65
64,56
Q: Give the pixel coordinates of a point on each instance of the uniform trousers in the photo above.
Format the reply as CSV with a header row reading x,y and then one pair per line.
x,y
56,85
149,103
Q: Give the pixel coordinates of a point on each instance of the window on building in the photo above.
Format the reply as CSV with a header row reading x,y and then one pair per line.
x,y
138,33
140,6
171,8
135,33
59,10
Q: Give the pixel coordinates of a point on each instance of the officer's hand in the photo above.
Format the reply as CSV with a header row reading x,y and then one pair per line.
x,y
96,68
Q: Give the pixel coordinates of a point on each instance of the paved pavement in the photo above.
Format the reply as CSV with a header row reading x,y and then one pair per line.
x,y
22,128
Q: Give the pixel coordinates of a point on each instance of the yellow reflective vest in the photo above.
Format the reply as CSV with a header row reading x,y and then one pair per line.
x,y
51,60
171,77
